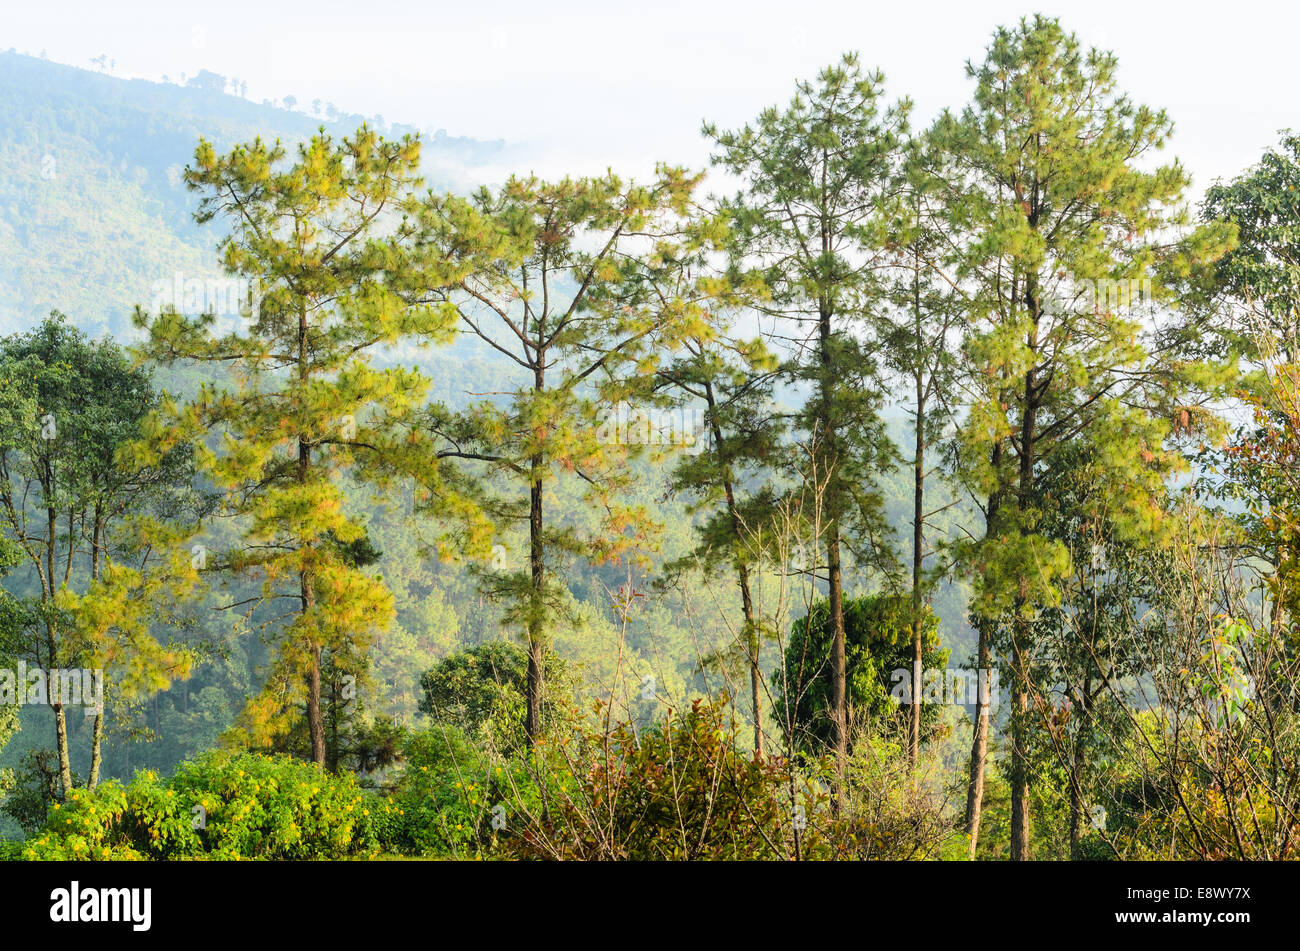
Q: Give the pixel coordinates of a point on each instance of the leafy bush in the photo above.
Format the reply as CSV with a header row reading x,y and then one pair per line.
x,y
442,802
35,785
248,806
681,790
481,692
893,811
877,641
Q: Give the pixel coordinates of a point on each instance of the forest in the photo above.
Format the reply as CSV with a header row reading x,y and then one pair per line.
x,y
886,490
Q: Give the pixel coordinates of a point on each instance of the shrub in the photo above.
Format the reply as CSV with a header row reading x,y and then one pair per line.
x,y
442,802
878,641
221,806
482,693
681,790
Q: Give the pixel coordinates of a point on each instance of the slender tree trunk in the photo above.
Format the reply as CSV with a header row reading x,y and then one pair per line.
x,y
826,443
536,642
918,519
752,636
754,645
980,739
97,733
918,540
96,737
61,740
1076,798
1020,632
839,679
52,697
332,753
1019,747
315,722
1077,764
536,650
52,643
979,744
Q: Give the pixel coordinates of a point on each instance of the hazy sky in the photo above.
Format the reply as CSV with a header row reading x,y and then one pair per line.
x,y
589,84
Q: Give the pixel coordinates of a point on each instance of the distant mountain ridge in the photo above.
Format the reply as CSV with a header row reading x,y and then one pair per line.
x,y
93,212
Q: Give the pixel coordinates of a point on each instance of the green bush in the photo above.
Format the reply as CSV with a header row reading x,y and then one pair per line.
x,y
878,641
249,806
482,692
442,803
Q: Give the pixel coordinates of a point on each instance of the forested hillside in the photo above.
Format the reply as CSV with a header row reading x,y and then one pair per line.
x,y
93,211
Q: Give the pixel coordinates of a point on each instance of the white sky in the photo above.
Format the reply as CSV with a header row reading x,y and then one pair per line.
x,y
585,84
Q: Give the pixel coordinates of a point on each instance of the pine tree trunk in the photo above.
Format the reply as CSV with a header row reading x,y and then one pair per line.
x,y
980,739
315,722
1019,764
96,738
979,746
918,538
839,679
332,751
753,642
826,441
536,644
1020,634
61,739
533,726
753,645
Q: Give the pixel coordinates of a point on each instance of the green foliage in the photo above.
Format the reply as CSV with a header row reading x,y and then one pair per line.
x,y
253,807
442,803
69,407
894,809
878,642
816,176
275,443
1263,271
34,788
681,790
544,273
483,691
973,266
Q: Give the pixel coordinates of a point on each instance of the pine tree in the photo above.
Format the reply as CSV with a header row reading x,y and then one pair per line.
x,y
919,336
566,280
730,379
817,179
1060,220
325,248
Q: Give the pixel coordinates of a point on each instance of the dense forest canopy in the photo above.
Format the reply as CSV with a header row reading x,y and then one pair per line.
x,y
889,489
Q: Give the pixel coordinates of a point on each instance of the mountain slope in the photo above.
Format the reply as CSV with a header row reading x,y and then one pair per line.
x,y
93,212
